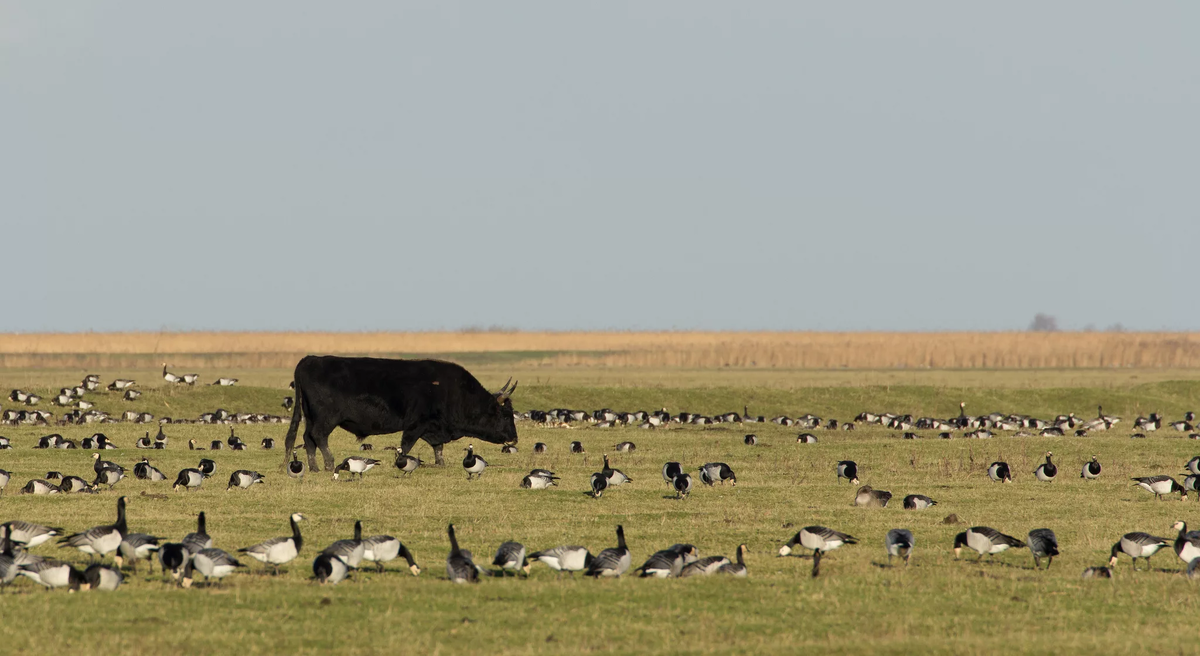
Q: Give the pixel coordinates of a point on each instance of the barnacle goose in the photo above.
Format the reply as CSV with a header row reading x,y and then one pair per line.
x,y
268,443
107,472
100,577
54,574
510,557
355,465
225,382
1097,573
539,479
750,440
615,476
146,472
170,377
100,540
847,469
539,447
999,472
188,479
599,484
1191,483
243,479
350,551
381,549
278,551
135,547
459,566
1046,471
1187,544
175,558
28,534
918,502
295,467
899,542
577,447
5,476
406,464
216,445
806,438
669,562
191,379
1193,465
198,539
213,563
75,484
717,472
1091,469
40,486
706,566
820,540
567,558
682,483
207,467
120,384
473,464
625,447
1160,485
869,497
737,569
1042,544
670,470
612,562
329,569
144,442
131,395
985,541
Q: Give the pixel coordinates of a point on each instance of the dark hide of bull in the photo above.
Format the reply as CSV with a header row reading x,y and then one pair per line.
x,y
426,399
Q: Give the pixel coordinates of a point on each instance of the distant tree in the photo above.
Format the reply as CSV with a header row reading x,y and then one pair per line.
x,y
1043,323
1116,328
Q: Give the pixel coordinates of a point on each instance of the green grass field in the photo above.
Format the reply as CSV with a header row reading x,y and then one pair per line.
x,y
937,605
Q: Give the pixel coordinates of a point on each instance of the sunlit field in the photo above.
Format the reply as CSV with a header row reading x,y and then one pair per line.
x,y
857,605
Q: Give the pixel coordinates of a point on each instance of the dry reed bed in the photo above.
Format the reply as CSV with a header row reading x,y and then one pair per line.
x,y
798,350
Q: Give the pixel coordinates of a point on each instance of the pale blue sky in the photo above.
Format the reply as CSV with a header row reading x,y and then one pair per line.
x,y
641,165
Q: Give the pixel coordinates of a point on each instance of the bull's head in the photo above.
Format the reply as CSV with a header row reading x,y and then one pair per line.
x,y
504,399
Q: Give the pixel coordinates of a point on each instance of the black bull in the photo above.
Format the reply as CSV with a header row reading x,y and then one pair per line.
x,y
426,399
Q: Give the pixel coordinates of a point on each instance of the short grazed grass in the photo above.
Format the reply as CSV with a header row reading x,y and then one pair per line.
x,y
937,605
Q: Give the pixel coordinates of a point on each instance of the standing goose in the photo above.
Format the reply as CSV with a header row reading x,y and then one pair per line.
x,y
599,484
473,464
381,549
213,564
682,484
174,557
1091,469
869,497
278,551
199,539
615,476
918,502
135,547
459,567
100,540
188,479
268,443
329,569
28,534
144,471
510,557
899,542
717,472
612,562
99,577
847,469
170,377
350,551
569,558
999,472
670,562
107,472
295,468
407,464
355,465
1042,544
670,471
243,479
1160,485
985,541
1046,471
820,540
1187,544
738,568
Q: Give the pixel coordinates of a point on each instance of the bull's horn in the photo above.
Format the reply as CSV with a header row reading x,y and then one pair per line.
x,y
505,388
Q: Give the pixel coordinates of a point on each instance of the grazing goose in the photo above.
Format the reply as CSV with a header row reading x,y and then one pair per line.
x,y
999,472
820,540
190,379
806,438
615,476
984,540
329,569
1191,483
188,479
27,534
737,569
207,467
540,447
1160,485
131,395
918,502
706,566
612,562
510,558
243,479
869,497
268,443
174,558
508,448
625,447
577,447
750,440
1187,544
135,547
599,484
1193,465
216,445
1097,573
99,577
381,549
1042,544
1091,469
278,551
5,476
288,403
213,564
568,558
407,464
670,562
459,566
100,540
224,382
355,465
40,486
120,384
109,477
717,472
1046,471
899,542
670,471
146,472
54,574
847,469
682,483
295,468
75,484
350,551
199,539
473,464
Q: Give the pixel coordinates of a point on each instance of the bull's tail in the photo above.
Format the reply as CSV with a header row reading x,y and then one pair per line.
x,y
289,442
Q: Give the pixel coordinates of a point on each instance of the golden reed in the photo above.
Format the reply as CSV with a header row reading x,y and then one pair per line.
x,y
792,350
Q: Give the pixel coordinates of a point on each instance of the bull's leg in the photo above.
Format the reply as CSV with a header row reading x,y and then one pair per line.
x,y
437,455
324,444
315,436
